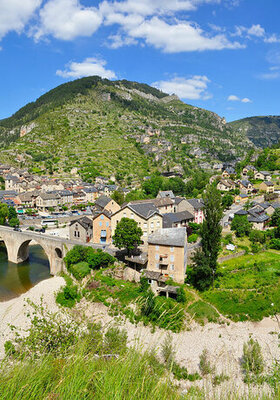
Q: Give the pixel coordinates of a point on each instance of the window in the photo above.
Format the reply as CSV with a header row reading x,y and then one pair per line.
x,y
157,265
107,223
132,216
171,249
172,267
152,225
157,248
145,234
157,256
78,234
158,224
172,257
100,223
102,217
145,225
124,214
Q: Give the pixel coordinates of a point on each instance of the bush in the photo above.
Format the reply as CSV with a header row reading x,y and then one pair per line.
x,y
115,341
167,350
80,270
204,363
274,244
68,296
252,360
193,238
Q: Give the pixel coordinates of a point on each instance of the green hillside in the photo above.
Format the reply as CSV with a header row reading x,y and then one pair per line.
x,y
262,131
126,128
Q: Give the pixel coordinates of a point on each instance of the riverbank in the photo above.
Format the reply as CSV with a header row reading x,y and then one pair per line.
x,y
13,312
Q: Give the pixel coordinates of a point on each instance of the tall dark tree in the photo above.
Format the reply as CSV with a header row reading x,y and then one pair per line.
x,y
211,230
205,260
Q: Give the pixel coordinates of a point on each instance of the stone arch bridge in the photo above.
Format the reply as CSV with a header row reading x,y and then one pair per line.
x,y
17,245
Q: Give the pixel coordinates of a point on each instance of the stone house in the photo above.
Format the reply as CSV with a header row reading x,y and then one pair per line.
x,y
195,207
167,253
263,175
245,186
225,185
106,203
91,194
47,200
145,214
267,187
165,193
79,197
12,182
81,230
164,205
247,169
228,172
177,220
101,227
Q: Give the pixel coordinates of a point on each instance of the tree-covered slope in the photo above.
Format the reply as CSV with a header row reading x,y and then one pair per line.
x,y
262,131
120,127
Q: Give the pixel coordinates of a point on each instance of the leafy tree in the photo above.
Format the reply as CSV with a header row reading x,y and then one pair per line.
x,y
3,213
14,222
275,218
127,235
118,197
12,217
200,276
241,225
257,236
227,200
248,205
153,185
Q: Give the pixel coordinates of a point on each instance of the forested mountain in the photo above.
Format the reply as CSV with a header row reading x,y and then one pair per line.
x,y
262,131
127,128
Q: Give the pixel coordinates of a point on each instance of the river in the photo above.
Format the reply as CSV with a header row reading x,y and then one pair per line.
x,y
16,279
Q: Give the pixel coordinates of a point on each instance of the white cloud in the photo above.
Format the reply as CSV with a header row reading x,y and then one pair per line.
x,y
272,39
180,37
89,67
246,100
193,88
148,7
233,97
256,30
67,19
118,41
269,75
14,14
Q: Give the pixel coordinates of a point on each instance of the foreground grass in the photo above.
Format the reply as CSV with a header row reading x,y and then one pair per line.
x,y
82,376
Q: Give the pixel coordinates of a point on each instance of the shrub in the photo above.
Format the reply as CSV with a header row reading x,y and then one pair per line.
x,y
252,360
115,341
68,296
274,244
193,238
168,350
80,270
204,363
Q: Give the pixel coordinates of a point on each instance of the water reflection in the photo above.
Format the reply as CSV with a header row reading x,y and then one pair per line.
x,y
16,279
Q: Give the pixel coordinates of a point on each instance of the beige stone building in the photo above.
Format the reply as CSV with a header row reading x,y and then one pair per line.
x,y
267,187
106,203
144,213
47,200
81,230
101,227
167,253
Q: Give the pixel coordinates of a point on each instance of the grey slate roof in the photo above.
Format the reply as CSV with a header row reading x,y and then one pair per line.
x,y
169,237
145,210
197,204
241,212
173,218
269,183
85,222
102,201
166,193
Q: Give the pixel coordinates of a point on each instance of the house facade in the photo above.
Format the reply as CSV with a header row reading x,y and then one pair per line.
x,y
167,253
145,214
101,226
81,230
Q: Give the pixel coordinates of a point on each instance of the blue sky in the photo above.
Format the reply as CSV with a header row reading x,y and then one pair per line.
x,y
222,55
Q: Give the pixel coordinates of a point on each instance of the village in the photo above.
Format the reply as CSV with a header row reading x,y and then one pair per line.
x,y
87,213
